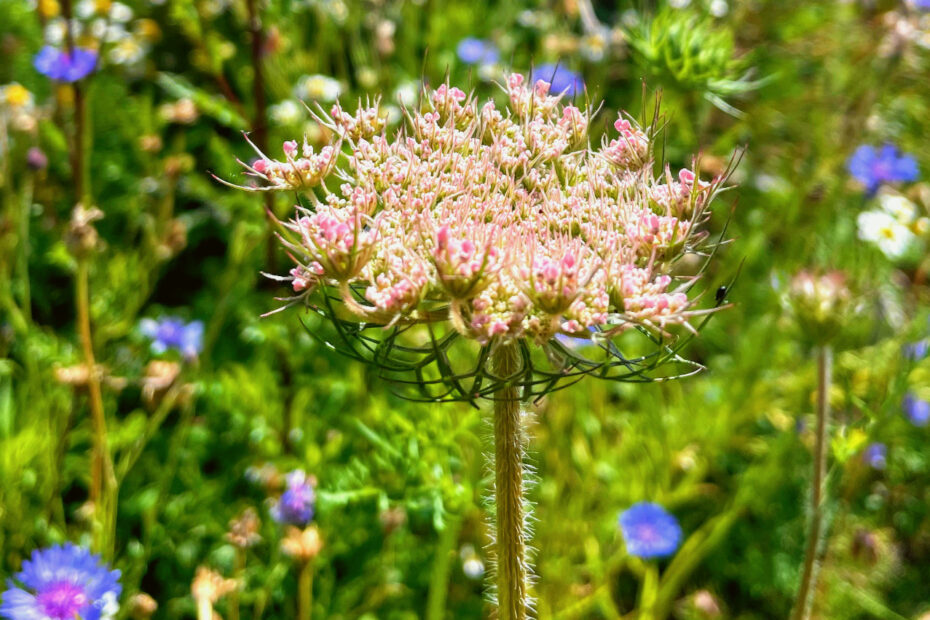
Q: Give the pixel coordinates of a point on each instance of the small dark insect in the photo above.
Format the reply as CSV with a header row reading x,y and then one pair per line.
x,y
721,293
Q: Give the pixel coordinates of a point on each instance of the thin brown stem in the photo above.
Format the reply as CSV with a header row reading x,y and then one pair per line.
x,y
103,480
508,491
805,600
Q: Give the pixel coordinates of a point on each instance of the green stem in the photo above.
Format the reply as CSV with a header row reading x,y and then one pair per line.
x,y
805,600
305,591
442,568
103,479
649,591
508,464
234,594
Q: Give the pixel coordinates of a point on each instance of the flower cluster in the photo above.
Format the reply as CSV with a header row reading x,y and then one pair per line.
x,y
62,582
504,221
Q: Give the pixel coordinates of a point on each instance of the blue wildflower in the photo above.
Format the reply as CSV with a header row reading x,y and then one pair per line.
x,y
173,333
916,410
917,350
876,455
649,531
923,5
295,506
62,582
65,66
562,81
873,167
474,51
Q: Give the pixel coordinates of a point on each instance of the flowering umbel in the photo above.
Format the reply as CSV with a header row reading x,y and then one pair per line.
x,y
502,225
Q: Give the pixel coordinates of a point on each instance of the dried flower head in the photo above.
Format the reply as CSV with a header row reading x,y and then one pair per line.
x,y
302,544
142,606
243,530
208,585
493,224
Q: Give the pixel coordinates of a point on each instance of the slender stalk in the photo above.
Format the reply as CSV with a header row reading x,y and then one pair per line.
x,y
260,120
442,568
649,591
233,612
805,600
305,591
508,465
204,608
103,480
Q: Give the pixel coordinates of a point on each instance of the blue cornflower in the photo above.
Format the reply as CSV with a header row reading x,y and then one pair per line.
x,y
562,81
65,66
917,350
923,5
474,51
649,531
62,582
173,333
916,410
872,167
295,506
876,455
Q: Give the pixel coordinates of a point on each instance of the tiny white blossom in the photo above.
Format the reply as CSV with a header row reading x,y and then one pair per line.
x,y
892,238
318,87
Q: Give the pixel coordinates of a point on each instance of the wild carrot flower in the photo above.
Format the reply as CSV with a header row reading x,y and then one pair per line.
x,y
501,223
561,80
649,531
295,506
62,582
173,333
916,409
65,66
474,51
876,455
875,166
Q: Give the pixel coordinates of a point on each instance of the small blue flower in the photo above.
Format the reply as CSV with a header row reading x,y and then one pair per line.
x,y
649,531
876,455
64,66
474,51
295,506
918,350
923,5
916,410
872,167
173,333
562,81
62,582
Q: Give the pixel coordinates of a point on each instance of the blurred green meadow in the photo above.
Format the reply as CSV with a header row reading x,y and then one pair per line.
x,y
198,435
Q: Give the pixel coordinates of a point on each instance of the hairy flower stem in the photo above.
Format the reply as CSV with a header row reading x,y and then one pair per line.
x,y
508,466
103,479
804,603
305,591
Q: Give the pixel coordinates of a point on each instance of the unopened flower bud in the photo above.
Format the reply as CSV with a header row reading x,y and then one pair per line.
x,y
821,304
142,606
36,159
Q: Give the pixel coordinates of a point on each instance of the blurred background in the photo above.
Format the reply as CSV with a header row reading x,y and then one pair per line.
x,y
209,406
